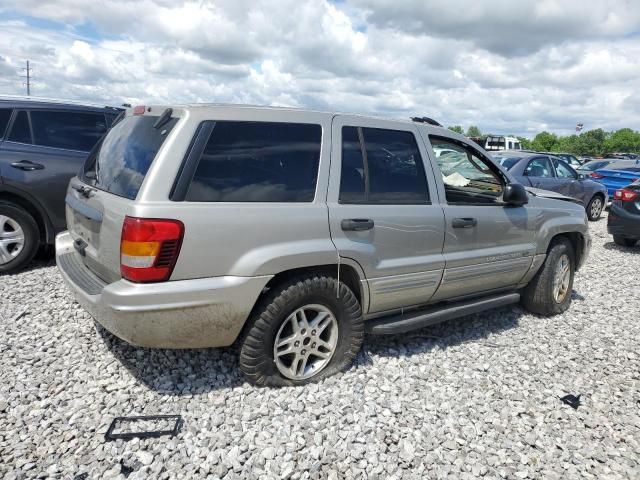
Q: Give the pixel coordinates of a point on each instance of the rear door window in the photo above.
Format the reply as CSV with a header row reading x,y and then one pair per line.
x,y
120,162
5,116
20,130
381,166
68,130
258,162
539,167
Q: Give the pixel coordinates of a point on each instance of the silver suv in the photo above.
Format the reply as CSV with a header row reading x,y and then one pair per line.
x,y
295,232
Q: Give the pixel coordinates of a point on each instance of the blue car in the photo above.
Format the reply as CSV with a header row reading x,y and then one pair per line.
x,y
617,175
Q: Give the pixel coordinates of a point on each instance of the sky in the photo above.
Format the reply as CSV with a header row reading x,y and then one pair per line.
x,y
509,67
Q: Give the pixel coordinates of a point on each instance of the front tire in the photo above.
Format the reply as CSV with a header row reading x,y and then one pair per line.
x,y
624,241
595,207
549,292
302,332
19,238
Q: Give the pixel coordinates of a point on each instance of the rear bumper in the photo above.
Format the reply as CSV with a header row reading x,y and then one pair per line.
x,y
198,313
623,223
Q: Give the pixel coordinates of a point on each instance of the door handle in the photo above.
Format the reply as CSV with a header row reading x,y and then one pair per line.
x,y
356,224
27,166
464,222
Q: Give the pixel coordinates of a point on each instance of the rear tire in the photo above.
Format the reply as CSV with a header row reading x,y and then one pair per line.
x,y
549,292
595,208
318,332
19,238
624,241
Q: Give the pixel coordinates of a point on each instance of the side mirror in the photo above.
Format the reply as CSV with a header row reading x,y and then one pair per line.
x,y
581,176
515,195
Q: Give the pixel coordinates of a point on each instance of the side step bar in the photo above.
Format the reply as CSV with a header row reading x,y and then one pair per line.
x,y
436,314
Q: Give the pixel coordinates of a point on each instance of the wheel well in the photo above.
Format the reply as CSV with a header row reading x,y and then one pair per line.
x,y
30,208
598,194
575,239
348,275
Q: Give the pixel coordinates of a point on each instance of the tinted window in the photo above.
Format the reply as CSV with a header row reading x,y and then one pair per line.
x,y
70,130
20,131
539,167
120,163
258,162
563,170
468,177
391,172
5,115
591,166
507,162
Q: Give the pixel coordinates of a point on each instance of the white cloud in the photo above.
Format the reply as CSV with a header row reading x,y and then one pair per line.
x,y
512,67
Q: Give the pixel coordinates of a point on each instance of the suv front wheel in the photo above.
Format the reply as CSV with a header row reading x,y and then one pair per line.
x,y
549,292
304,330
19,239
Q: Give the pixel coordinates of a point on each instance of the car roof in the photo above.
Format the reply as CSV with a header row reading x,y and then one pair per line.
x,y
270,108
7,101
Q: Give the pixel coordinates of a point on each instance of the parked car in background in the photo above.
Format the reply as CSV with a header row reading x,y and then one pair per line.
x,y
295,231
550,173
571,160
593,165
617,175
624,217
499,142
42,145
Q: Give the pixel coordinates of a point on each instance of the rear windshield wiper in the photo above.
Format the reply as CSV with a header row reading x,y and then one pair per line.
x,y
163,119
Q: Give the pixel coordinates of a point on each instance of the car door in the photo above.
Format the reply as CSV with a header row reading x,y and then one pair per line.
x,y
540,174
381,210
573,187
44,149
488,245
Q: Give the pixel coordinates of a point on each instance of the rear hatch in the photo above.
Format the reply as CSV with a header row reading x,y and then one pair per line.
x,y
99,199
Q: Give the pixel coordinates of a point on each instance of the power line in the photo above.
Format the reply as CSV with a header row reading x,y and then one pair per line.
x,y
28,77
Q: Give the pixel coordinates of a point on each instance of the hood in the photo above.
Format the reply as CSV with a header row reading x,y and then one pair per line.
x,y
538,192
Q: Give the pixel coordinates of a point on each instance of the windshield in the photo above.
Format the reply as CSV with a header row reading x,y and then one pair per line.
x,y
507,162
120,162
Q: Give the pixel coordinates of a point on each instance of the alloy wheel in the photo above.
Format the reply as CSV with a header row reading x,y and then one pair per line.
x,y
305,342
11,239
561,279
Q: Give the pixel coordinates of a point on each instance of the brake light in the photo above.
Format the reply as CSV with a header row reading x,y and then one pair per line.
x,y
139,110
626,195
149,248
596,175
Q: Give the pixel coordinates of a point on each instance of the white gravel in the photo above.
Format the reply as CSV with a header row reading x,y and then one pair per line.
x,y
476,397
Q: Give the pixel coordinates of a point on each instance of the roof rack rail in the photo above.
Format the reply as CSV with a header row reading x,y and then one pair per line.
x,y
428,120
24,98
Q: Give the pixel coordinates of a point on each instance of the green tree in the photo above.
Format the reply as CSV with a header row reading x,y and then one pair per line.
x,y
544,141
457,129
623,140
591,142
474,131
525,143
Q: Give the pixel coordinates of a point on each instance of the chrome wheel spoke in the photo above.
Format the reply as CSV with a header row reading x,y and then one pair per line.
x,y
299,352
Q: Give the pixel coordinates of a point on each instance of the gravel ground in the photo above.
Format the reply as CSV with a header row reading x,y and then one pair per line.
x,y
476,397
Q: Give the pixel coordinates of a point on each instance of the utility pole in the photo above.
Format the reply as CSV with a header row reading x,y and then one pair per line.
x,y
28,77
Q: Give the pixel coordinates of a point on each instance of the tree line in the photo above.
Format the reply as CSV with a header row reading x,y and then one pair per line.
x,y
589,143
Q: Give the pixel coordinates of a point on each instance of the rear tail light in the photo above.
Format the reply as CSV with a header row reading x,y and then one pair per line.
x,y
149,248
626,195
596,175
139,110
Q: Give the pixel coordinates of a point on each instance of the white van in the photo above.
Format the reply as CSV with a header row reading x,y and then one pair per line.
x,y
498,142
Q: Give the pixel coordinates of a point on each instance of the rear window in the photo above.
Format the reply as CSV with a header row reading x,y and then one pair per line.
x,y
68,130
258,162
120,162
5,115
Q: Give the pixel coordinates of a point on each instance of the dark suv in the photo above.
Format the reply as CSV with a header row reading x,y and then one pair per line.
x,y
42,145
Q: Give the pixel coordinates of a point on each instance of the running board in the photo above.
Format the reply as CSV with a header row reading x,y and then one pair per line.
x,y
436,314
